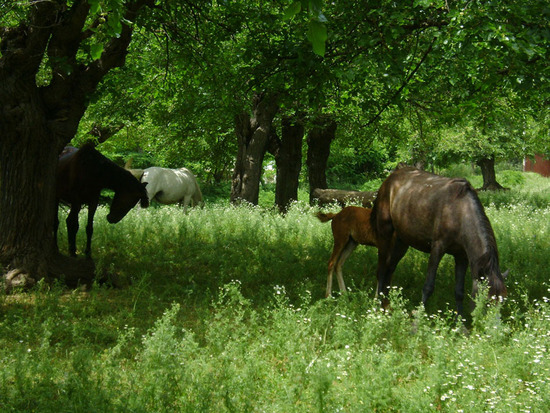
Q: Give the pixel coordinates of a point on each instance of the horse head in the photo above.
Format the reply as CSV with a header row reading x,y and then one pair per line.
x,y
124,200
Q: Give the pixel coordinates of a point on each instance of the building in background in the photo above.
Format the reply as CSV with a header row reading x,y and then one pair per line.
x,y
540,164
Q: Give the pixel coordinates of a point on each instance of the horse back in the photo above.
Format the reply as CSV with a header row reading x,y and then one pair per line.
x,y
168,186
422,208
75,182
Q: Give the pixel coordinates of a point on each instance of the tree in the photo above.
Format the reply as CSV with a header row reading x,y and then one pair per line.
x,y
254,135
53,56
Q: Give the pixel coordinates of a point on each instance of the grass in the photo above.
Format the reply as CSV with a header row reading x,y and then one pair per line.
x,y
223,310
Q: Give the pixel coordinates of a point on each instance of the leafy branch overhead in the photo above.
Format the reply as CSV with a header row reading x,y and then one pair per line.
x,y
317,30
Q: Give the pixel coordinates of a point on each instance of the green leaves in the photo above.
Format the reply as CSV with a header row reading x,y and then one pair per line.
x,y
94,6
292,10
317,35
96,50
317,30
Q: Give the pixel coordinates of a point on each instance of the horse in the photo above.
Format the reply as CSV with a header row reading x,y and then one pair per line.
x,y
436,215
81,175
350,227
169,186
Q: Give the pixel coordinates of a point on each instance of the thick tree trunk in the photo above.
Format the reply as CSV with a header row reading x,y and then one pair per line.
x,y
27,173
487,166
28,161
289,163
253,134
319,140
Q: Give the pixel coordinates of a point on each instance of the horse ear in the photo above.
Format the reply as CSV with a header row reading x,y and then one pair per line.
x,y
505,274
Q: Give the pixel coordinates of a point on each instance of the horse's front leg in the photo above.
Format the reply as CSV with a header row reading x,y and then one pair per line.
x,y
389,254
90,229
72,228
185,201
461,265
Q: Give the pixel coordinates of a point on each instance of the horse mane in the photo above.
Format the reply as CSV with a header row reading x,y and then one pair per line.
x,y
488,263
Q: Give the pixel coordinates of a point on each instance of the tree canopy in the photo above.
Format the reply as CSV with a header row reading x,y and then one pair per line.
x,y
389,70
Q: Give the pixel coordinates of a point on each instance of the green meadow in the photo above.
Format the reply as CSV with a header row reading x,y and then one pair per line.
x,y
223,310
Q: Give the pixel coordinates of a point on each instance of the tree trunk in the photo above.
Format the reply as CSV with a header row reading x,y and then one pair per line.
x,y
253,135
487,166
319,140
27,174
28,161
289,163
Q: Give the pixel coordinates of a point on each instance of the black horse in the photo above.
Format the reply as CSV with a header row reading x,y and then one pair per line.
x,y
81,175
436,215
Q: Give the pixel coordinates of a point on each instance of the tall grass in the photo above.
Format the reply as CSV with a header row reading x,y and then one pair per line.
x,y
222,309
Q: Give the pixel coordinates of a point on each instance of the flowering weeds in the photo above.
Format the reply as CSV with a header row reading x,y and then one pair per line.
x,y
224,311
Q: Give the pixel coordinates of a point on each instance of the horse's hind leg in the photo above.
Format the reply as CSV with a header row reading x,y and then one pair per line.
x,y
72,228
436,254
90,229
339,246
346,252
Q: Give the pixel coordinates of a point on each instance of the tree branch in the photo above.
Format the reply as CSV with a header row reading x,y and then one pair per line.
x,y
403,85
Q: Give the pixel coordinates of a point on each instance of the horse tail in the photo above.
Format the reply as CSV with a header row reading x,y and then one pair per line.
x,y
324,217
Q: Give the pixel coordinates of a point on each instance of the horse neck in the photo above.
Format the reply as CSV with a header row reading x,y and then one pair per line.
x,y
111,176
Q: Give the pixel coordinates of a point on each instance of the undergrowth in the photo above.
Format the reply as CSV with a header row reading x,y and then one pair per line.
x,y
222,309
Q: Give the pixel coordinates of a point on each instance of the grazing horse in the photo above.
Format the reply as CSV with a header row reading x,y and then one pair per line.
x,y
169,186
350,227
436,215
81,175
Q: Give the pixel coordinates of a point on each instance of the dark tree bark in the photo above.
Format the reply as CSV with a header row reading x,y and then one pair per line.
x,y
319,140
36,122
253,135
289,163
487,166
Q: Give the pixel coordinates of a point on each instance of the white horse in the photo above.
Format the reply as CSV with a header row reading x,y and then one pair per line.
x,y
169,186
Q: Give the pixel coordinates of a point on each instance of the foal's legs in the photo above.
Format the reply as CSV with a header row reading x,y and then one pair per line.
x,y
72,227
339,245
92,207
341,251
348,249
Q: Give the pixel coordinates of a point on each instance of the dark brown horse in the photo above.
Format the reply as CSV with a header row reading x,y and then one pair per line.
x,y
436,215
81,175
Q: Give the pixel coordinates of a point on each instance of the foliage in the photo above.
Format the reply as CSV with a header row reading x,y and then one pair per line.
x,y
413,77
